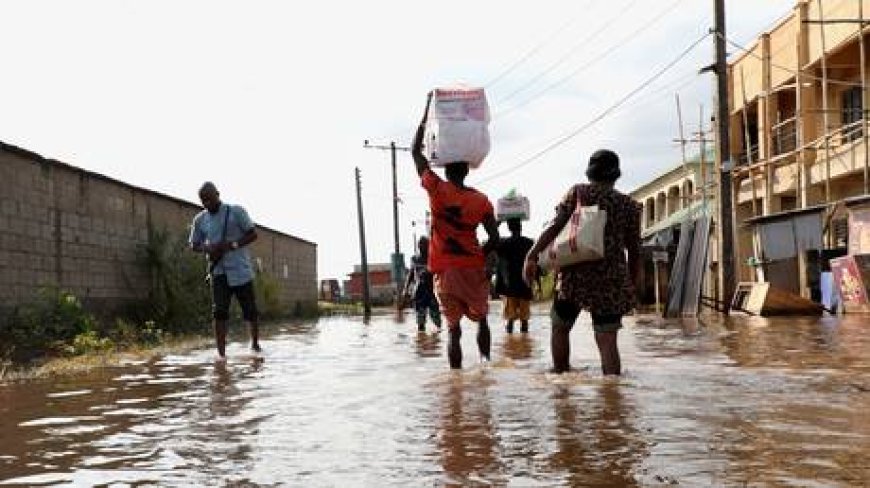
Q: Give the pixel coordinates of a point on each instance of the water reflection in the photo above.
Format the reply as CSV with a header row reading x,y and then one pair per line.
x,y
338,403
517,347
428,345
225,397
469,454
797,343
597,441
228,430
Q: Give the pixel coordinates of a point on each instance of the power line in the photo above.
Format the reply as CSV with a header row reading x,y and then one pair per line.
x,y
571,51
652,98
622,43
534,50
674,86
574,133
648,100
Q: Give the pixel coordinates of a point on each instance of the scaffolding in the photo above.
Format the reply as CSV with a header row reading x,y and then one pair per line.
x,y
797,146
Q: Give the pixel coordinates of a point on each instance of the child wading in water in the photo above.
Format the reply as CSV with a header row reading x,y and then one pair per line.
x,y
420,289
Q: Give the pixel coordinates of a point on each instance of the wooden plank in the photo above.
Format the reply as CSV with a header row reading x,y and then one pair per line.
x,y
766,300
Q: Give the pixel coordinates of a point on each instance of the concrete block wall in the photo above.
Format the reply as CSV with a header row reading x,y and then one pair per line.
x,y
66,227
292,262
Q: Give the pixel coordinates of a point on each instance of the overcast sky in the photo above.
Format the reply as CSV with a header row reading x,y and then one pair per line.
x,y
272,100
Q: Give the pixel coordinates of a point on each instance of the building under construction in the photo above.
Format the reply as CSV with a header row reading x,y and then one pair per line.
x,y
799,140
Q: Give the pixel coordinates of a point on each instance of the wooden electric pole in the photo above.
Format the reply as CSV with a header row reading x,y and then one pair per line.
x,y
398,260
364,264
724,164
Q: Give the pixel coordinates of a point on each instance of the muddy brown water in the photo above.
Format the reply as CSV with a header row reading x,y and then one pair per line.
x,y
750,402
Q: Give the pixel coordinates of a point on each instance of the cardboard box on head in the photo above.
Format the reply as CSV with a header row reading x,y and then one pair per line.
x,y
457,127
512,206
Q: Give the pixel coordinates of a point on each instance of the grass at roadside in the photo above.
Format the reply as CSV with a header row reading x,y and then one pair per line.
x,y
85,362
334,308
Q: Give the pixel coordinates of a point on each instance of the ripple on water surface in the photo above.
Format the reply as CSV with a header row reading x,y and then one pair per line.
x,y
342,403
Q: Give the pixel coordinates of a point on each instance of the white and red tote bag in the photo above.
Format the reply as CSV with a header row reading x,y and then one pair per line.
x,y
580,241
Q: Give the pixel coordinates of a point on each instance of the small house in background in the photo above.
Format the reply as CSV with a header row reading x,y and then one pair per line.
x,y
382,288
330,291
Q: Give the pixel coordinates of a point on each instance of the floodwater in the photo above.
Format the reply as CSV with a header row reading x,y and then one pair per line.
x,y
751,402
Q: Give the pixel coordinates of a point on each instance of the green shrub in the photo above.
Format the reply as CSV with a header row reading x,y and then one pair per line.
x,y
89,342
307,310
338,308
126,333
268,296
150,334
179,298
44,326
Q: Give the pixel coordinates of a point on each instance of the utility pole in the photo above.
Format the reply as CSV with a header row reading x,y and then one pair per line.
x,y
702,149
398,260
724,163
364,265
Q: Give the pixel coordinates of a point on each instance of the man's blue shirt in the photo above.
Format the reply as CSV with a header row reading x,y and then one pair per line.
x,y
208,228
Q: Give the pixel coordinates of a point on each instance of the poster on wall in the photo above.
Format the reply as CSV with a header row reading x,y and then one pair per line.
x,y
849,280
859,230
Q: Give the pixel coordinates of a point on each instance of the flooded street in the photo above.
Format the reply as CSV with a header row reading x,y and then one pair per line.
x,y
339,403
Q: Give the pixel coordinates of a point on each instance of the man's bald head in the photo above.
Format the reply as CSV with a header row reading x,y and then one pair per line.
x,y
208,186
210,197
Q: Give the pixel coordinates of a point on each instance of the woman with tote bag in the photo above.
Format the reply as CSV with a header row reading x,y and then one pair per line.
x,y
587,279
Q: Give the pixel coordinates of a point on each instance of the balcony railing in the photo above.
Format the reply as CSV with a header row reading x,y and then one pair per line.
x,y
745,157
851,132
784,136
785,140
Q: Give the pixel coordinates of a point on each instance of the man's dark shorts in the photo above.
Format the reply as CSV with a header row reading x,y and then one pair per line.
x,y
222,293
565,313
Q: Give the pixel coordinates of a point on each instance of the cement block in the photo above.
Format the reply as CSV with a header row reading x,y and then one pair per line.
x,y
8,207
17,225
9,277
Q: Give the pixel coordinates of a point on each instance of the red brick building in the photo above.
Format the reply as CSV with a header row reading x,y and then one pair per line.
x,y
381,285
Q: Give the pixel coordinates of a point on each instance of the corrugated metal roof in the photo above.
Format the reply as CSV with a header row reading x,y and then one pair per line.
x,y
784,215
677,218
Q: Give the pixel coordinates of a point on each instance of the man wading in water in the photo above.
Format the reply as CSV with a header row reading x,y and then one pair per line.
x,y
455,256
222,231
